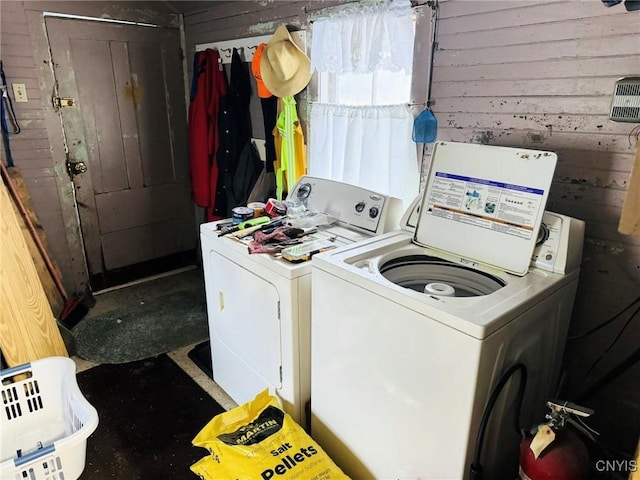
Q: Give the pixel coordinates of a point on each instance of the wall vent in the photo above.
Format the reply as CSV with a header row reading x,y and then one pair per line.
x,y
625,106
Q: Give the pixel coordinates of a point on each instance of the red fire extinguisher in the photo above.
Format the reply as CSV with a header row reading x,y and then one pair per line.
x,y
552,450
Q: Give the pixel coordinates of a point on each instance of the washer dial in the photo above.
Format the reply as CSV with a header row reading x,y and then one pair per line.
x,y
304,191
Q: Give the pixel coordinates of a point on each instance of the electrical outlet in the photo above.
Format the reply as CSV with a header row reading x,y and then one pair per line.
x,y
20,92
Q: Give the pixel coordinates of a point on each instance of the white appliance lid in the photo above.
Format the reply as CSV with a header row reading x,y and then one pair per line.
x,y
485,203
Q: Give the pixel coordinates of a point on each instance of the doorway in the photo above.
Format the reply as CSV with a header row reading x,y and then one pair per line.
x,y
121,102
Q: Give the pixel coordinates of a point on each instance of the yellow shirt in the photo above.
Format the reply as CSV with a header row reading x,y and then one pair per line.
x,y
291,161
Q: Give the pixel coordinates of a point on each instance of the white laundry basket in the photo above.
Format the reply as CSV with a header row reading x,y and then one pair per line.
x,y
45,421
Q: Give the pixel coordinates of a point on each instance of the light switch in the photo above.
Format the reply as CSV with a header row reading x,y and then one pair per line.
x,y
20,92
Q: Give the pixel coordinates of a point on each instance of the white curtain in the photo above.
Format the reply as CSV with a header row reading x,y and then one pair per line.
x,y
363,39
366,146
369,146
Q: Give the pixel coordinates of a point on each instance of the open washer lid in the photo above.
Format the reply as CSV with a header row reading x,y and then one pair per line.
x,y
485,203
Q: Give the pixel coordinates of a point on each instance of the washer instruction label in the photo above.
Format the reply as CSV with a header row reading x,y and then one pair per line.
x,y
502,207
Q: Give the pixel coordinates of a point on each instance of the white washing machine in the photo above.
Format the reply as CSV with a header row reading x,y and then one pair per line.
x,y
259,306
413,329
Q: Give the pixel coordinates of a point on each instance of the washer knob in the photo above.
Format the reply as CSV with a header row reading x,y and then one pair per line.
x,y
359,207
304,191
373,212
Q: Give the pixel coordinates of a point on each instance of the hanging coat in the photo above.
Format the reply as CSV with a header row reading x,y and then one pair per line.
x,y
207,88
235,133
269,117
291,162
246,175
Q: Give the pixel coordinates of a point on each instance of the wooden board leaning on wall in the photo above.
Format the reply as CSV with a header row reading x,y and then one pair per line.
x,y
28,329
630,217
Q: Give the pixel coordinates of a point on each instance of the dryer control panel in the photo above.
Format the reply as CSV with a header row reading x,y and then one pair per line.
x,y
352,206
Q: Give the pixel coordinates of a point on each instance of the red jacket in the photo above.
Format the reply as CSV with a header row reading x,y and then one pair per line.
x,y
208,85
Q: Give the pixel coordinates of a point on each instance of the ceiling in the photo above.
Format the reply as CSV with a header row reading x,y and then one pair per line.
x,y
191,6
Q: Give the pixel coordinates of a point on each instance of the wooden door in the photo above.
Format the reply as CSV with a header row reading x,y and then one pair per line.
x,y
126,122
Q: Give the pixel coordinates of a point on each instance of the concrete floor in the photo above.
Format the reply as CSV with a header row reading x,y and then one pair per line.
x,y
180,357
149,287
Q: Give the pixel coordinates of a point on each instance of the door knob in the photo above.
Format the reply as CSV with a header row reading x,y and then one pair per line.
x,y
76,168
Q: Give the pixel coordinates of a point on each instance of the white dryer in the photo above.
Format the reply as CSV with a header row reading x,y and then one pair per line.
x,y
259,306
413,329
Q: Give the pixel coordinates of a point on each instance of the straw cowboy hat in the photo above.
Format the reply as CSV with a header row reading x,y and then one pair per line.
x,y
285,69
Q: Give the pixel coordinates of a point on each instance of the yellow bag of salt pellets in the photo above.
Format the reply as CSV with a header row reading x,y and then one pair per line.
x,y
257,440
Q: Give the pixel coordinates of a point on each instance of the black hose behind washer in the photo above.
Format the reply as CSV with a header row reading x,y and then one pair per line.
x,y
475,471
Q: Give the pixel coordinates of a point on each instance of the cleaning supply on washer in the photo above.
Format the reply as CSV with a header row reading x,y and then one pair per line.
x,y
295,208
259,440
275,208
258,208
240,214
310,218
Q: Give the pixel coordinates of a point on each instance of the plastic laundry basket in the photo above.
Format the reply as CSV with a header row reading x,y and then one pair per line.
x,y
45,421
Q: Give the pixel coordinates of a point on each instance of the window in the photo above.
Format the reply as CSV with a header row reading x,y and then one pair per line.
x,y
361,124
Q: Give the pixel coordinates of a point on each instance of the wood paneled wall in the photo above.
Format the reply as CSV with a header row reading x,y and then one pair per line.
x,y
31,147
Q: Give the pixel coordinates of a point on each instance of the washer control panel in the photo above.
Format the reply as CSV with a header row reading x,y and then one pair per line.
x,y
559,245
546,250
352,206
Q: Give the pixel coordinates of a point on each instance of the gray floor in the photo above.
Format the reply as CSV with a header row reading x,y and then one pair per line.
x,y
142,291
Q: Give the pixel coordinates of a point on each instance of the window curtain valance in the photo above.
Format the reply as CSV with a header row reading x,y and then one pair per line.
x,y
362,39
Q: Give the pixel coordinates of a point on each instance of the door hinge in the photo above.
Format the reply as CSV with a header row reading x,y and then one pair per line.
x,y
59,102
278,309
280,374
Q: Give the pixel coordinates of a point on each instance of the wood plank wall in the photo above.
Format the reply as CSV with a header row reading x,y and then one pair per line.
x,y
30,148
541,74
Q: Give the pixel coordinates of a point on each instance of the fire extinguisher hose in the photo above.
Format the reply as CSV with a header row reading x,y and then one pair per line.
x,y
476,471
